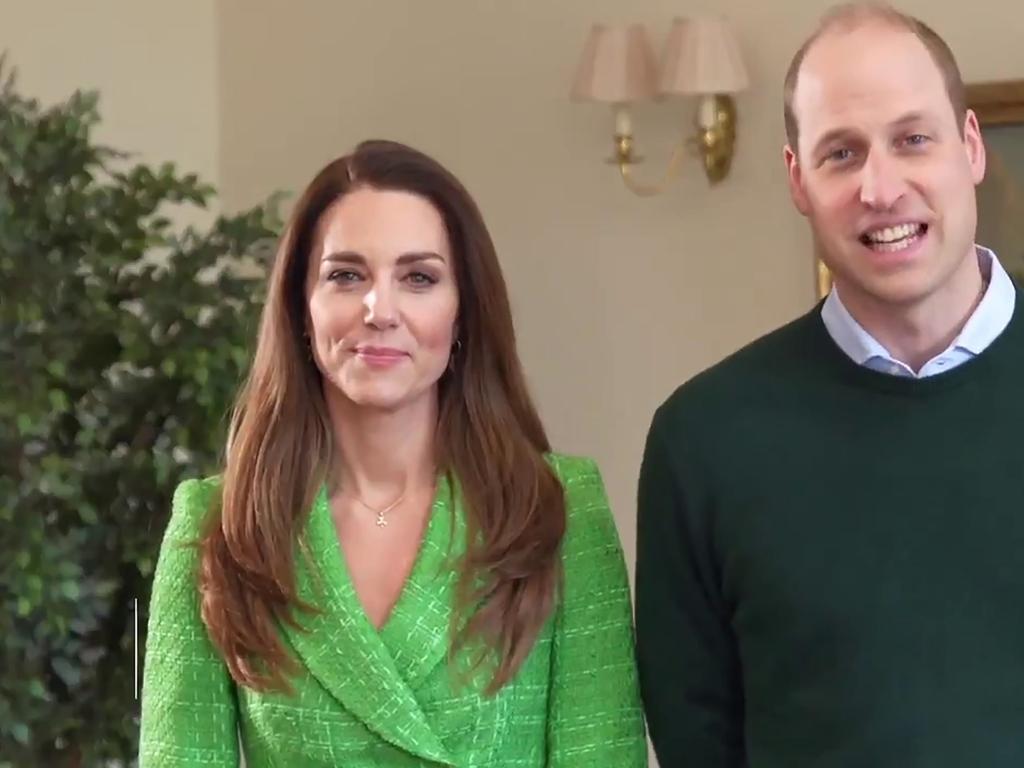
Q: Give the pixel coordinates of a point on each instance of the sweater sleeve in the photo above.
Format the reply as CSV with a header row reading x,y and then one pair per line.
x,y
688,660
189,712
595,718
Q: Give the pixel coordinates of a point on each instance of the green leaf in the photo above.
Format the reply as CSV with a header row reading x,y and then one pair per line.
x,y
67,672
70,590
21,733
25,423
106,588
58,400
87,513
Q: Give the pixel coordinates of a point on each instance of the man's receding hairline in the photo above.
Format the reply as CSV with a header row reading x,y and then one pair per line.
x,y
848,20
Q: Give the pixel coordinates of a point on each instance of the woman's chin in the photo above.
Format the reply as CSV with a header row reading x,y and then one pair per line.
x,y
380,397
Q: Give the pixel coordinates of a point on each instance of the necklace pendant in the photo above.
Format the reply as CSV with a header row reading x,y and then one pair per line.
x,y
381,522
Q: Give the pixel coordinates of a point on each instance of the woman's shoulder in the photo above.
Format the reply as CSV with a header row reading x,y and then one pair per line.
x,y
573,469
586,500
591,549
174,600
193,500
197,491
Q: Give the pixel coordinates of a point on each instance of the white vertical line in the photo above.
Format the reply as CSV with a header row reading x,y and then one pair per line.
x,y
135,646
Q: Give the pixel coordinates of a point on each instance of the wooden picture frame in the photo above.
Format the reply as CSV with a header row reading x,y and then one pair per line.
x,y
1000,110
999,103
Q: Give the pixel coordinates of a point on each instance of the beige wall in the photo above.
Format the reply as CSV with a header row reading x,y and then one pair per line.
x,y
154,64
617,299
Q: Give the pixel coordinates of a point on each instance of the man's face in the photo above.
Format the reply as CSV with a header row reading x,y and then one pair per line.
x,y
882,171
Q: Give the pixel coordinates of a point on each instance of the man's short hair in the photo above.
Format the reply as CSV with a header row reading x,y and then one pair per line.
x,y
849,16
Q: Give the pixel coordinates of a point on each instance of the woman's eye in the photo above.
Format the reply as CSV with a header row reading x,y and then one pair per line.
x,y
421,279
343,276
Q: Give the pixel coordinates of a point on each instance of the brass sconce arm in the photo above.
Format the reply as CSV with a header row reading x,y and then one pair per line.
x,y
702,58
625,159
714,143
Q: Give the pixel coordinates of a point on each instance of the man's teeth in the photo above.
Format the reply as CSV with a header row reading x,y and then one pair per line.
x,y
893,234
899,245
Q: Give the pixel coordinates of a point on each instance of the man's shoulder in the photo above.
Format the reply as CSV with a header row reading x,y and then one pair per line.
x,y
733,382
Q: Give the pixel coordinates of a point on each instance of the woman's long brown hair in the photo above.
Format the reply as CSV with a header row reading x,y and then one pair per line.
x,y
490,440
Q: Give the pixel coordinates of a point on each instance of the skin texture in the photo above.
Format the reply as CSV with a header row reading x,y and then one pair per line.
x,y
880,146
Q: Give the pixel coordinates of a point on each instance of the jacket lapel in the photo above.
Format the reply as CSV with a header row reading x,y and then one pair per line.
x,y
417,633
344,652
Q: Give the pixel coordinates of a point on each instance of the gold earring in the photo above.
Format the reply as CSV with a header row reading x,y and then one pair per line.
x,y
456,348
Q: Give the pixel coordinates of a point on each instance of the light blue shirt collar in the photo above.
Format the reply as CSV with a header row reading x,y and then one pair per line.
x,y
988,320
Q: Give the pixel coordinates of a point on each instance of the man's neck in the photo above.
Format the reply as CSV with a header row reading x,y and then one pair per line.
x,y
916,333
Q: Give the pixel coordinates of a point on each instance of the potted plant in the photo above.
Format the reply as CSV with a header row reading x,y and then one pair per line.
x,y
123,338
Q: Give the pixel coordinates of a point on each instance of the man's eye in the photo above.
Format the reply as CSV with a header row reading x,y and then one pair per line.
x,y
840,155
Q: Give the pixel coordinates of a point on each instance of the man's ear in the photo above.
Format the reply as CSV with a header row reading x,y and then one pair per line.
x,y
975,146
794,174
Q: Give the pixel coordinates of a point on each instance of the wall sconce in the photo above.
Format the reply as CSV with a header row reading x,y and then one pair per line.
x,y
702,57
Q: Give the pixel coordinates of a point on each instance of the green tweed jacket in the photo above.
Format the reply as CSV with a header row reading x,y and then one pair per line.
x,y
386,699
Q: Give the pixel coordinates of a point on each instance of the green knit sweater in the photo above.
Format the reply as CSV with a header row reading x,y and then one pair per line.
x,y
831,562
369,699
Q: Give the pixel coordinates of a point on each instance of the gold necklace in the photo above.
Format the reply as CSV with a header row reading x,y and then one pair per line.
x,y
381,519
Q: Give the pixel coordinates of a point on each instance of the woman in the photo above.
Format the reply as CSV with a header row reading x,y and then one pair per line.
x,y
392,570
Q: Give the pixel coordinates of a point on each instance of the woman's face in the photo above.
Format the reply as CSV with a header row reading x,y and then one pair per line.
x,y
382,298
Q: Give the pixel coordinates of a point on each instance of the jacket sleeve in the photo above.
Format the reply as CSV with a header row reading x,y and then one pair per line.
x,y
189,711
594,719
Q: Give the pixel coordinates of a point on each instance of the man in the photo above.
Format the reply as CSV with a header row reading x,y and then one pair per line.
x,y
831,521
